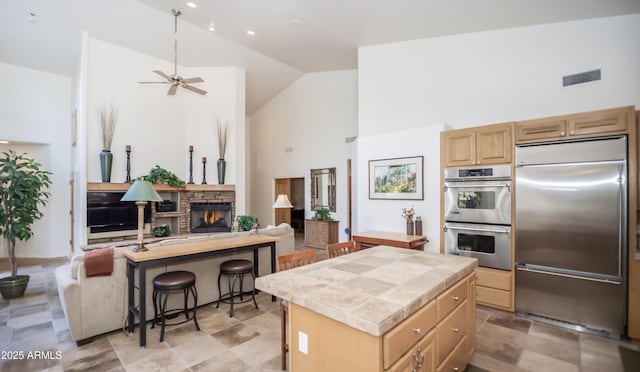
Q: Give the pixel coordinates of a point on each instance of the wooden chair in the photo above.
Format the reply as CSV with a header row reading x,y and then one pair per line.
x,y
286,262
339,249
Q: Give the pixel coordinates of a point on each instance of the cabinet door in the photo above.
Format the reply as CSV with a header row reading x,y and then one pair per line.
x,y
538,130
494,144
602,122
459,148
422,355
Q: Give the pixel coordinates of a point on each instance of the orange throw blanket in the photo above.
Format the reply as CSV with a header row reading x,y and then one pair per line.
x,y
99,262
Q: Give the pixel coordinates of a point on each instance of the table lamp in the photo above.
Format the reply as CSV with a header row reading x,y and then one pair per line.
x,y
141,192
282,202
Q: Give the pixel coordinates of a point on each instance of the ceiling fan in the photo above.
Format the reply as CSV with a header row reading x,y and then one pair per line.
x,y
176,80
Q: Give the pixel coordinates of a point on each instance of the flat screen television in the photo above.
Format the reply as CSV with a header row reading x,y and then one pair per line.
x,y
105,212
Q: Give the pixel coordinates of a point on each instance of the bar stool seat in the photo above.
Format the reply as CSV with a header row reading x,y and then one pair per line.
x,y
163,285
235,270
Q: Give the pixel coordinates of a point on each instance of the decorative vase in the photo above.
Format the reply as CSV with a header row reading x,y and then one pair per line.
x,y
13,287
410,228
106,159
418,226
222,165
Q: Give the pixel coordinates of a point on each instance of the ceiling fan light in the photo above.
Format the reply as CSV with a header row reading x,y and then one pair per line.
x,y
191,4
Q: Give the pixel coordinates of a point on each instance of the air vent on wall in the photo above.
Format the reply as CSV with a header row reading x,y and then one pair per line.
x,y
583,77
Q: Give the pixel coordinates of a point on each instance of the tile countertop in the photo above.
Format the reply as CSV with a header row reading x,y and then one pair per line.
x,y
372,290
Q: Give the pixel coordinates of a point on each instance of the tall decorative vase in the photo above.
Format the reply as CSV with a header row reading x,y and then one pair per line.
x,y
222,166
106,159
410,228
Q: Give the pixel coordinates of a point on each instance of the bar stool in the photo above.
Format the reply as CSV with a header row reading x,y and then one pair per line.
x,y
163,285
235,270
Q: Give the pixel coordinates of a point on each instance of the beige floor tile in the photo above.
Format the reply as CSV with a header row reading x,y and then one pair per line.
x,y
532,361
566,350
215,321
163,362
236,335
226,362
490,364
500,343
199,349
258,350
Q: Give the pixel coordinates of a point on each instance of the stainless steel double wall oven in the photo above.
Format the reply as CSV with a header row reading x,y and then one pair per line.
x,y
477,210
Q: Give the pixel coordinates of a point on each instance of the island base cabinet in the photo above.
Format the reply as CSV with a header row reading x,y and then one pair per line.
x,y
318,343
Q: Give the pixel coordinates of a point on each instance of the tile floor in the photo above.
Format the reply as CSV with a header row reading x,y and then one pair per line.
x,y
251,340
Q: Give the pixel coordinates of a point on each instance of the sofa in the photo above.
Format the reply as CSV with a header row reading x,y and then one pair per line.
x,y
98,304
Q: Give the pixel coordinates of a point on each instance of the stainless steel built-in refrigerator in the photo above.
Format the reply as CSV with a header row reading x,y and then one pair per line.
x,y
571,213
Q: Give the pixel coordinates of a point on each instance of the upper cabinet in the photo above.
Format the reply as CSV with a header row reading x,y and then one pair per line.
x,y
588,124
490,144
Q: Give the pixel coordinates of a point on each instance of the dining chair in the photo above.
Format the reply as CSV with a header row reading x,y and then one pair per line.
x,y
342,248
286,262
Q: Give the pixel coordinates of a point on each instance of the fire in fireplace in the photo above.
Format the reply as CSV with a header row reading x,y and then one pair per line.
x,y
210,217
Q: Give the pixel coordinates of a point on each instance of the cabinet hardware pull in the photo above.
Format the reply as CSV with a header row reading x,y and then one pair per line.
x,y
456,298
456,330
562,134
417,330
572,132
456,369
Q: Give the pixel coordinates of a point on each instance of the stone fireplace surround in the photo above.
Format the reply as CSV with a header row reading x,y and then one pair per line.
x,y
184,196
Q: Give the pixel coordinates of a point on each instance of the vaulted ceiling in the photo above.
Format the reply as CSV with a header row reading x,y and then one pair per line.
x,y
292,37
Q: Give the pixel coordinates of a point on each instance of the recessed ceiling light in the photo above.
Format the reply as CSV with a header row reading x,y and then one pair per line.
x,y
191,4
31,16
251,32
212,27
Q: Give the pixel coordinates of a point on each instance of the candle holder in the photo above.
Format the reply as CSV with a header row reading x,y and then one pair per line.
x,y
204,171
190,165
128,149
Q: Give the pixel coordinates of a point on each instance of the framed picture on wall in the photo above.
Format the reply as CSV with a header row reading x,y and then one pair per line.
x,y
397,179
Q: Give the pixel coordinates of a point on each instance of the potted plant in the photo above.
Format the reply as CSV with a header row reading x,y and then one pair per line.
x,y
23,190
222,149
108,129
322,214
246,222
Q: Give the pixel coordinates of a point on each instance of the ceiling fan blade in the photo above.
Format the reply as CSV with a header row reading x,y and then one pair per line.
x,y
162,74
194,89
153,82
193,80
172,90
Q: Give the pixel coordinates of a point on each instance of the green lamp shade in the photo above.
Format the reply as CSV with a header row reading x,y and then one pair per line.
x,y
141,190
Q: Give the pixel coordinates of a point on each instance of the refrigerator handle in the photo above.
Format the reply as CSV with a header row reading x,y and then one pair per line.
x,y
622,216
524,267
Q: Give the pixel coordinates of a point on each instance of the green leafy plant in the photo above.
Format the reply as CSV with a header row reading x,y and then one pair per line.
x,y
160,175
322,214
23,190
244,223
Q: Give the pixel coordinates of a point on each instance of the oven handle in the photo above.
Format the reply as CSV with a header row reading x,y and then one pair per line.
x,y
467,185
505,231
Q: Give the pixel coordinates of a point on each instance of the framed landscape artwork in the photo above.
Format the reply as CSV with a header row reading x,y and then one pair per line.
x,y
398,179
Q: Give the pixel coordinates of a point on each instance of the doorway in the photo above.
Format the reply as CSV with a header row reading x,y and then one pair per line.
x,y
293,188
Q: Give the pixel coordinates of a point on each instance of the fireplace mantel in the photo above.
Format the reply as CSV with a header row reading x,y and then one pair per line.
x,y
114,186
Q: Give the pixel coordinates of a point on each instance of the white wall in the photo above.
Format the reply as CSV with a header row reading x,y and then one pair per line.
x,y
158,127
476,79
496,76
313,116
35,116
386,215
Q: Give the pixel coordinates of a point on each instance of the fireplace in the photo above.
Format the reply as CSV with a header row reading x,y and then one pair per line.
x,y
210,217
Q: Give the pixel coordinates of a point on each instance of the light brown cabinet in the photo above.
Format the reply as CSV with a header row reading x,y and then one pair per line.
x,y
494,288
438,335
588,124
317,234
491,144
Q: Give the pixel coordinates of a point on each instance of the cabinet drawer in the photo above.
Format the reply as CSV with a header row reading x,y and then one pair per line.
x,y
457,360
423,352
493,297
400,339
451,330
601,123
453,297
536,130
498,279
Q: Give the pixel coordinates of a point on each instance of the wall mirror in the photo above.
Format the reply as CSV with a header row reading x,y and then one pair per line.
x,y
323,189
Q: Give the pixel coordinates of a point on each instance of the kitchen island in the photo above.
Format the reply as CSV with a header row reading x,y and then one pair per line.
x,y
380,309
